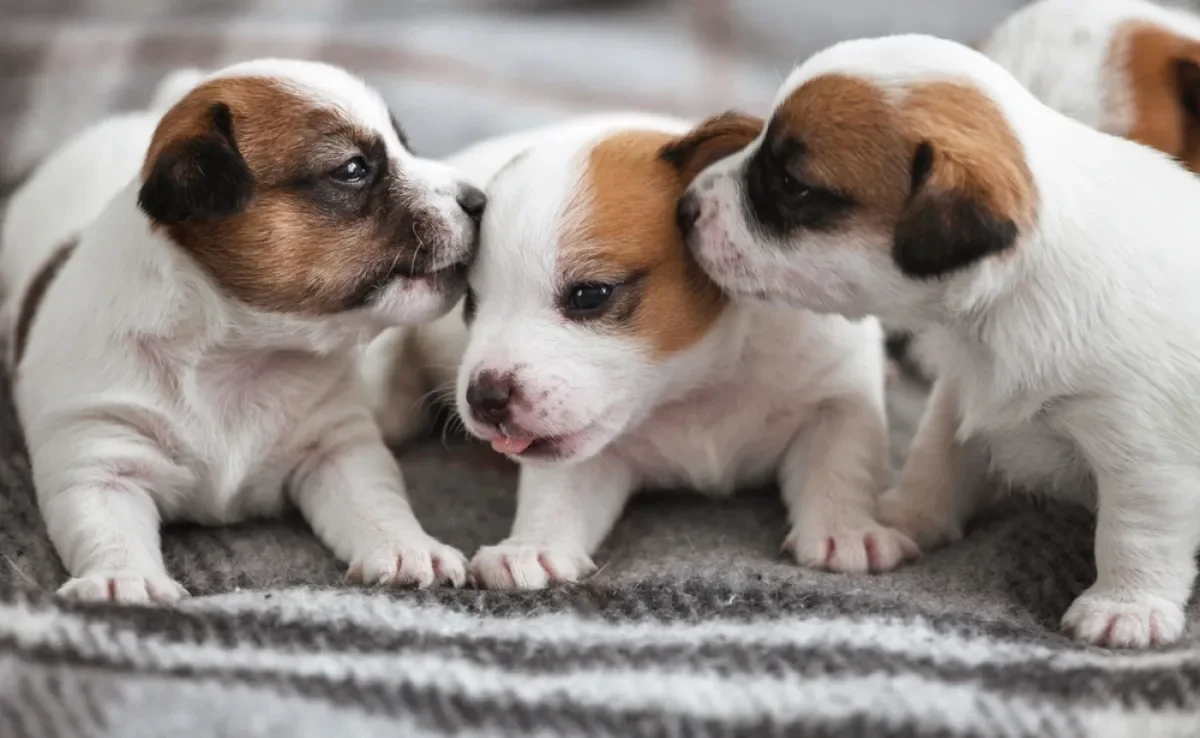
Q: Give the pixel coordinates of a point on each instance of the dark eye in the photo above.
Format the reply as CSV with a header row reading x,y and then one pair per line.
x,y
354,171
792,187
588,297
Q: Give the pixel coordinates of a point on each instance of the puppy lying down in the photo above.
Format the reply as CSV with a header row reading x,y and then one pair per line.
x,y
594,352
1044,269
188,298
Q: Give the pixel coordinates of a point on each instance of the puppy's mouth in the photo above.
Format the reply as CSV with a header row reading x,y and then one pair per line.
x,y
539,448
443,278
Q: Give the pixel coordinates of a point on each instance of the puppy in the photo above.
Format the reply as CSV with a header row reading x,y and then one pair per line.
x,y
185,341
602,360
1042,267
1128,67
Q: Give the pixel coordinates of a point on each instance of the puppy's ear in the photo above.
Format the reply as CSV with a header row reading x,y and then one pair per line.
x,y
949,221
1187,82
712,140
194,170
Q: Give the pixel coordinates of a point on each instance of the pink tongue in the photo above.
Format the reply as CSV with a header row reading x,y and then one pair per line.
x,y
510,445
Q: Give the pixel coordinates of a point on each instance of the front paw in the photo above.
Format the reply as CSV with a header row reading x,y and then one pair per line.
x,y
927,528
1116,619
129,587
850,546
411,561
528,566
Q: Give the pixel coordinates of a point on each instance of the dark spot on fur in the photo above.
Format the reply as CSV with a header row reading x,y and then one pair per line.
x,y
36,291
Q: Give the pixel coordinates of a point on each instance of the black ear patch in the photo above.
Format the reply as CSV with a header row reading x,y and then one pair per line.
x,y
942,231
1187,78
200,177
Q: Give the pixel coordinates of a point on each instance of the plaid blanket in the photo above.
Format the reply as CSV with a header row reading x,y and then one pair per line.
x,y
695,625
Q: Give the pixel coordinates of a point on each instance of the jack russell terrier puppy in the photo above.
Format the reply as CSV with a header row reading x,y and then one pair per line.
x,y
1127,67
1041,265
602,360
189,300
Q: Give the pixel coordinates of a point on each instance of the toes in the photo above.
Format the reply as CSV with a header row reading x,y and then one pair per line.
x,y
1124,621
876,549
524,567
409,566
128,589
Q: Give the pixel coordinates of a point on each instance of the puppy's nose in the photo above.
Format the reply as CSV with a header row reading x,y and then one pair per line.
x,y
472,201
488,396
687,212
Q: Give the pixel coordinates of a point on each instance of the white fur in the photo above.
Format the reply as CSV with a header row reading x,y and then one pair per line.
x,y
768,395
147,395
1066,53
1074,360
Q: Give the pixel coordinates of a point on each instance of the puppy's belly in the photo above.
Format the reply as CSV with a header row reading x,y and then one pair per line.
x,y
1035,459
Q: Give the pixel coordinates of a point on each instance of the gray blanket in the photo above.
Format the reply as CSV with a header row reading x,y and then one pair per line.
x,y
695,624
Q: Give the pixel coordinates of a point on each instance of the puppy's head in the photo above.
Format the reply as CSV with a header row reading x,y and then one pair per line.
x,y
292,186
584,301
1130,68
878,177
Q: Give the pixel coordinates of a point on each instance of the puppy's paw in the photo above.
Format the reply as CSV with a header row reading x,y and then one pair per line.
x,y
522,566
927,528
1116,619
850,547
410,561
126,587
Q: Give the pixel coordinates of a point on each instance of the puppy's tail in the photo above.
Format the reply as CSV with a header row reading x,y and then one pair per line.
x,y
174,86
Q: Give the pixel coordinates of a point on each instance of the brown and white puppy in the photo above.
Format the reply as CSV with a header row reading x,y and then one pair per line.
x,y
191,353
1127,67
1040,263
602,359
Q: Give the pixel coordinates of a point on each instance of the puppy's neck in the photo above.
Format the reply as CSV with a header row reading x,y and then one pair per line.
x,y
715,358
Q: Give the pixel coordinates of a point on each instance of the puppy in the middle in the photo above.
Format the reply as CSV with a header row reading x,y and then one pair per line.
x,y
601,358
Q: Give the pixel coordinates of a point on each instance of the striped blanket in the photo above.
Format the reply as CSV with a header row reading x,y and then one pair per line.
x,y
695,625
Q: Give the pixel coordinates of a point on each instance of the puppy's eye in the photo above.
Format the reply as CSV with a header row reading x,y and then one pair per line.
x,y
588,298
792,187
353,171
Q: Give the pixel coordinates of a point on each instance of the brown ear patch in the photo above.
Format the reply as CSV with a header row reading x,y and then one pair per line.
x,y
622,225
1160,73
34,293
712,140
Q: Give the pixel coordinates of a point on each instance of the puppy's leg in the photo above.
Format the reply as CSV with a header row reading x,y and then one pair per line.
x,y
929,505
350,489
563,514
830,480
1147,532
104,521
394,385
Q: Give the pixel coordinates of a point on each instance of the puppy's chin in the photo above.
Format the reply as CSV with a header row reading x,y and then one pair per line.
x,y
405,300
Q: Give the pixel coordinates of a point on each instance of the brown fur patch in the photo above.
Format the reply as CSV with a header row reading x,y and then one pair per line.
x,y
299,244
1147,57
35,292
711,140
857,142
624,225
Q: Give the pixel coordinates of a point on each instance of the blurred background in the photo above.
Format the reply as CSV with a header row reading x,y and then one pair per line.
x,y
455,71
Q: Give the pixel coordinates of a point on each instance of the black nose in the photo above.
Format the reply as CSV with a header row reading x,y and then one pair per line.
x,y
687,213
488,396
472,201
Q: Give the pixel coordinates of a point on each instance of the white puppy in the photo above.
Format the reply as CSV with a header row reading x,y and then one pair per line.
x,y
1042,266
602,360
187,317
1127,67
